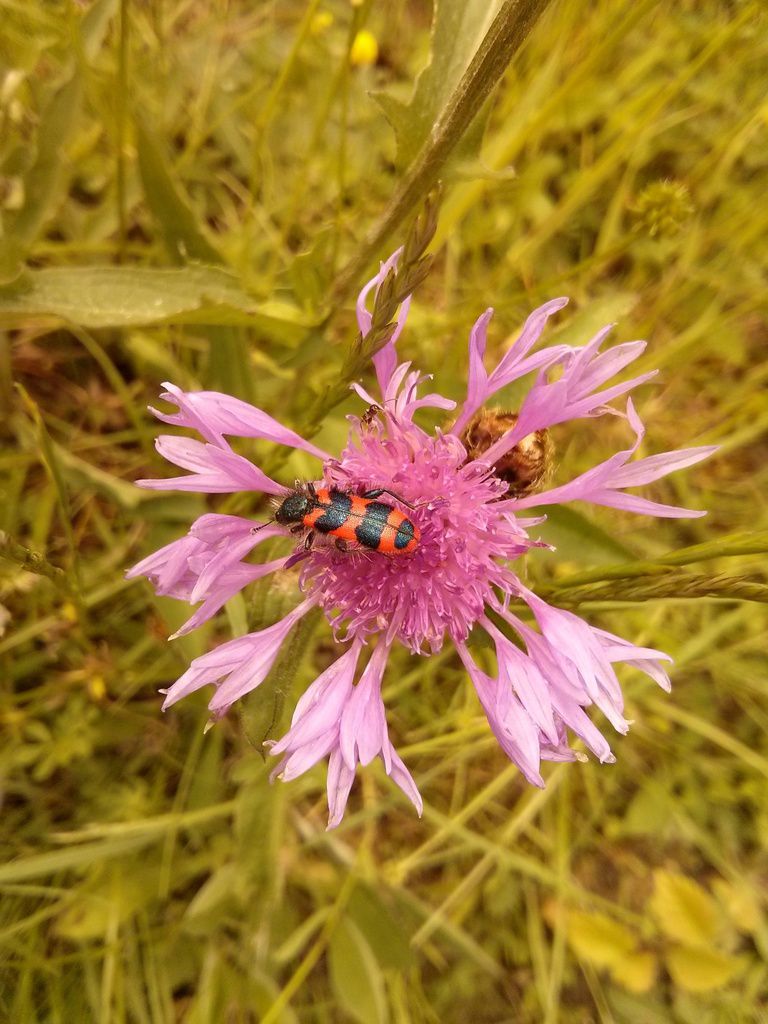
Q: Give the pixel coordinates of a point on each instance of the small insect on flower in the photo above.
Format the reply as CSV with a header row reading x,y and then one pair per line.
x,y
350,518
370,416
526,466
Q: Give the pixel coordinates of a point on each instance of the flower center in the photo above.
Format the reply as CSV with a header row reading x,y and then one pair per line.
x,y
442,586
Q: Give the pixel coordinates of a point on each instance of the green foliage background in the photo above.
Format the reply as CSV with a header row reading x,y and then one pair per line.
x,y
182,184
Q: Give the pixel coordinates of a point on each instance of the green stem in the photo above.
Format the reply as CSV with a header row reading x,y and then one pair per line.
x,y
755,543
510,28
121,119
32,561
313,955
674,585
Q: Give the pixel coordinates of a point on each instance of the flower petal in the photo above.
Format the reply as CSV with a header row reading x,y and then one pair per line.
x,y
339,784
385,360
600,485
228,583
214,470
168,568
318,711
481,385
573,396
523,675
245,662
403,778
213,415
363,726
516,733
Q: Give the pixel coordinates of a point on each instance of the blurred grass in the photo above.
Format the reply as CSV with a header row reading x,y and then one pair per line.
x,y
150,874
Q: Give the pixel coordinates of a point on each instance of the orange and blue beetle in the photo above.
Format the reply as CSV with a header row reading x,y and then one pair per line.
x,y
350,519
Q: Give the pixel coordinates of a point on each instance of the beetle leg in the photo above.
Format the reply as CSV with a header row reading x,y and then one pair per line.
x,y
310,538
311,489
298,528
341,544
378,491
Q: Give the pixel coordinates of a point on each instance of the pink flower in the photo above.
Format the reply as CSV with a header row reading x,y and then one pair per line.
x,y
347,723
206,565
460,576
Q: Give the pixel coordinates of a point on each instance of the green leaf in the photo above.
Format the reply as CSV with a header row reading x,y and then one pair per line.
x,y
123,492
183,237
683,909
94,26
701,970
458,28
138,296
300,937
598,939
114,896
586,322
46,180
216,897
387,937
577,539
78,858
356,978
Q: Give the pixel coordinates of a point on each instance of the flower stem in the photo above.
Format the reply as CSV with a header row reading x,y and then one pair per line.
x,y
399,283
509,30
752,543
11,550
675,585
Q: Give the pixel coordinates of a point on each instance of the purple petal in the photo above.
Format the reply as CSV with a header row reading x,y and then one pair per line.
x,y
366,396
645,471
403,778
610,363
580,723
214,470
522,674
168,568
588,405
385,360
364,318
246,662
574,643
319,709
477,381
214,527
228,555
580,366
229,583
300,759
213,415
641,506
654,670
582,488
509,367
339,784
363,727
599,484
516,733
562,753
512,366
548,404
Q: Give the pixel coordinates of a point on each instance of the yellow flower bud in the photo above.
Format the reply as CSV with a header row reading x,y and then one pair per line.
x,y
365,49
